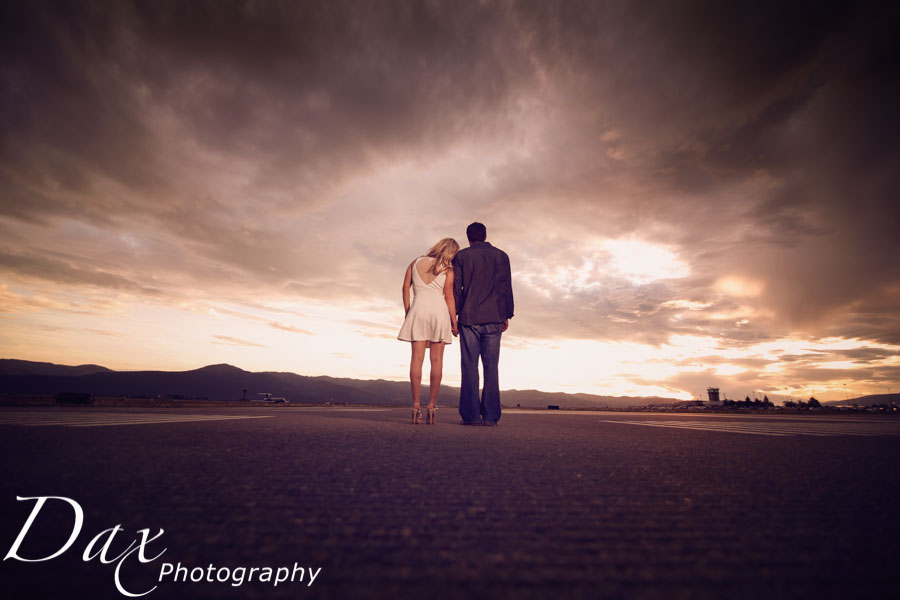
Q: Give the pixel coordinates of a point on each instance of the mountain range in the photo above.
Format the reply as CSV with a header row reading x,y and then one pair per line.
x,y
226,382
872,400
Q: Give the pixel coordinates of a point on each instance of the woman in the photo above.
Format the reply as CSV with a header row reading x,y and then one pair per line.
x,y
430,318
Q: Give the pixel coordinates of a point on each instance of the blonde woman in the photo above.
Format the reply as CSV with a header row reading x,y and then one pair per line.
x,y
430,318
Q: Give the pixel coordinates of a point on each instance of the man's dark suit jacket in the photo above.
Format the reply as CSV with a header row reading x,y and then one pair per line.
x,y
482,285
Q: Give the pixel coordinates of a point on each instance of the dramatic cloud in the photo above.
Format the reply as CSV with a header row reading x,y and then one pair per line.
x,y
708,188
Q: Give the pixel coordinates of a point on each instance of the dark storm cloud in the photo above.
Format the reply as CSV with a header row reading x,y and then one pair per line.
x,y
306,86
62,271
220,125
877,320
783,103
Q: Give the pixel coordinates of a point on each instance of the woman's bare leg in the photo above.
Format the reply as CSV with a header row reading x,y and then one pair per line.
x,y
437,367
415,371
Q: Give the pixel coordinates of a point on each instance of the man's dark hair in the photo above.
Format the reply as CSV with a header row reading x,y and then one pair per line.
x,y
476,232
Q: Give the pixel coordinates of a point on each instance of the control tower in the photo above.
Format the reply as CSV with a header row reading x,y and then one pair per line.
x,y
713,394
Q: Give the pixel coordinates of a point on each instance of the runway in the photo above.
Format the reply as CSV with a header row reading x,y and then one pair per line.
x,y
548,505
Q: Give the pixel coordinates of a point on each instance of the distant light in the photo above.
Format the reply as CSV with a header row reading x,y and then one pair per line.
x,y
641,262
741,287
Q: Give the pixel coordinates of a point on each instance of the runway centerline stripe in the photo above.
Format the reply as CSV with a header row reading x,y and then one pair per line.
x,y
669,426
776,429
38,419
150,421
787,428
752,429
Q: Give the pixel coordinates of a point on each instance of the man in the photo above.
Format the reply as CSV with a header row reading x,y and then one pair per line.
x,y
482,289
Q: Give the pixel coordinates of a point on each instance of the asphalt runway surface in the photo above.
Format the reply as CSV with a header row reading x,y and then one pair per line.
x,y
547,505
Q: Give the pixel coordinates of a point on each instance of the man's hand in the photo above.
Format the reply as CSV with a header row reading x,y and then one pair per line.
x,y
505,325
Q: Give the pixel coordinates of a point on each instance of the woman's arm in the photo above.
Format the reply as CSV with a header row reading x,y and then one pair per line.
x,y
407,283
451,301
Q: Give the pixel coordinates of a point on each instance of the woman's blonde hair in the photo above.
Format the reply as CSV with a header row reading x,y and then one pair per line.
x,y
442,253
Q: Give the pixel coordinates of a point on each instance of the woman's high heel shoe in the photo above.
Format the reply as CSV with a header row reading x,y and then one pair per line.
x,y
416,415
432,417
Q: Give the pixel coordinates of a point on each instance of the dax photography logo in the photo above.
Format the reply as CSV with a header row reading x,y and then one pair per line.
x,y
100,547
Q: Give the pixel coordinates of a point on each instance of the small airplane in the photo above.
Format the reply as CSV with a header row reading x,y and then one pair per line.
x,y
267,397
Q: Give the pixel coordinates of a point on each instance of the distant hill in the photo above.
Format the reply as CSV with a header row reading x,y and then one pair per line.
x,y
215,382
225,382
865,400
9,366
537,399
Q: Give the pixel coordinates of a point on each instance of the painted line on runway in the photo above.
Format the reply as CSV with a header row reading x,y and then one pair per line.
x,y
786,428
333,409
775,430
677,426
38,419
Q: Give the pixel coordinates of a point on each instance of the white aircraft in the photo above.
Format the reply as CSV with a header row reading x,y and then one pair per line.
x,y
267,397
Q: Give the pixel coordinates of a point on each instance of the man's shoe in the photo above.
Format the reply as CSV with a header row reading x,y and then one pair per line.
x,y
491,423
470,422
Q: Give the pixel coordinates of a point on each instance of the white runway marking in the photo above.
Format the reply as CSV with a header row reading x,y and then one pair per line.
x,y
335,409
104,419
778,429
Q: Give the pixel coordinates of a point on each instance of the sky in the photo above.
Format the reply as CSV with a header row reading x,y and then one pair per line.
x,y
691,194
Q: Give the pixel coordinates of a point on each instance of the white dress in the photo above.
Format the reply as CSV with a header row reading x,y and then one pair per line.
x,y
428,318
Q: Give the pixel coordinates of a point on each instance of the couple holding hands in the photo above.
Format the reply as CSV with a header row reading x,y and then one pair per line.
x,y
465,293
